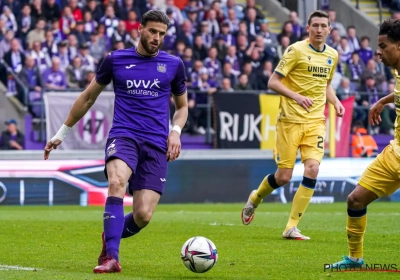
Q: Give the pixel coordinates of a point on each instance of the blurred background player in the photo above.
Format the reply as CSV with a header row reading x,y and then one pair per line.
x,y
303,79
138,145
382,175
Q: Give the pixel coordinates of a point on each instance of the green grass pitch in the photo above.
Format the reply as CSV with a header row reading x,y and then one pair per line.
x,y
64,242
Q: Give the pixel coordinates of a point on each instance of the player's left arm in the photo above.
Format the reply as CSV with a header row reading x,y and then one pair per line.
x,y
179,93
332,98
330,92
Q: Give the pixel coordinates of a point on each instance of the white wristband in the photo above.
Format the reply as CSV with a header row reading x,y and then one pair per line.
x,y
177,129
61,133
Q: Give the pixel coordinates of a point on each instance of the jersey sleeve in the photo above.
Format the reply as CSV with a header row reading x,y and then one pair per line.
x,y
335,63
287,62
104,73
178,84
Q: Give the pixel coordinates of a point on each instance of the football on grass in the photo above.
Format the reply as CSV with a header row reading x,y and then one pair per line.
x,y
199,254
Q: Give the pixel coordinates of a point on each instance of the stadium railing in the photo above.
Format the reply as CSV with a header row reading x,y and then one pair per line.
x,y
379,3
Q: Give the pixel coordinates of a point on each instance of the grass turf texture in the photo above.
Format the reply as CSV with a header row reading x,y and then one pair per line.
x,y
64,242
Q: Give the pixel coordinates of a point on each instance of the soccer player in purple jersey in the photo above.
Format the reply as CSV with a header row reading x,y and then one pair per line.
x,y
139,144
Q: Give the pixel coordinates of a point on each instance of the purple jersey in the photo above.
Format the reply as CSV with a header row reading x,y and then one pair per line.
x,y
142,87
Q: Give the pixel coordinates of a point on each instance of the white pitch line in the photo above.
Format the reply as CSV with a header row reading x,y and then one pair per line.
x,y
15,267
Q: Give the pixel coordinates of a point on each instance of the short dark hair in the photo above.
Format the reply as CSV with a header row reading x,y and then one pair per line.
x,y
391,28
318,13
155,15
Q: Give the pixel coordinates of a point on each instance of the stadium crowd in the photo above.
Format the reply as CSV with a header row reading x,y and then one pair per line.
x,y
58,44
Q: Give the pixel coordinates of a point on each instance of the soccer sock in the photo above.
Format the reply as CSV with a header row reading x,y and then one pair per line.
x,y
356,224
113,220
300,201
130,226
267,186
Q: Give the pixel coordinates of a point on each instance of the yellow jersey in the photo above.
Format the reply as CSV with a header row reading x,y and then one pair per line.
x,y
396,142
307,72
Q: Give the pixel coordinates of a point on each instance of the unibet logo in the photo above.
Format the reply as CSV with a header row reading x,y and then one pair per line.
x,y
147,84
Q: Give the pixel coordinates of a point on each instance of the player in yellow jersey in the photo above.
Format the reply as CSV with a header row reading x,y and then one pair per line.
x,y
382,176
303,79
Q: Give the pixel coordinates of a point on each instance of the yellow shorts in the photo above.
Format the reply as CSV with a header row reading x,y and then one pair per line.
x,y
290,137
382,176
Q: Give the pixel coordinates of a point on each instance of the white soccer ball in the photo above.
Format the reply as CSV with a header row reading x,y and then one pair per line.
x,y
199,254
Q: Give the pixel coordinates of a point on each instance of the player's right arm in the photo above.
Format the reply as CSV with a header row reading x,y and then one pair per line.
x,y
377,108
285,66
83,103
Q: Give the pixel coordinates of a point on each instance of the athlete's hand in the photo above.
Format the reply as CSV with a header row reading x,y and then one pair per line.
x,y
174,145
374,117
304,102
49,147
339,109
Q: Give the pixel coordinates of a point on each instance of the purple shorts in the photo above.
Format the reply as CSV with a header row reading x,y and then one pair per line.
x,y
149,164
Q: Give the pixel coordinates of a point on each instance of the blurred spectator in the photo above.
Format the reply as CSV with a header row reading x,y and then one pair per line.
x,y
110,21
15,58
363,144
370,71
243,83
229,73
12,138
75,74
89,76
253,24
334,38
269,38
352,39
287,30
285,42
51,10
335,24
297,27
9,18
365,51
49,46
176,12
251,75
226,85
233,21
37,34
42,59
237,9
53,77
355,68
94,10
345,91
264,75
344,48
31,77
221,48
81,35
250,4
25,21
199,49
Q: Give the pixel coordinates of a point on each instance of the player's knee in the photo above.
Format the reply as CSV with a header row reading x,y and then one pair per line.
x,y
312,170
283,178
143,216
354,202
116,184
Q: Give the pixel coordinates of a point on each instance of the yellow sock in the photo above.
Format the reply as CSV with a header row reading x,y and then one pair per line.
x,y
264,189
355,228
300,201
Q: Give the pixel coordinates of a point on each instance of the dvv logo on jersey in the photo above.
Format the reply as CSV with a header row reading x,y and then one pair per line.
x,y
147,84
143,87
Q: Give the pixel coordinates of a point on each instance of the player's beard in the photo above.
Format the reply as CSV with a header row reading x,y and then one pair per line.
x,y
150,49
